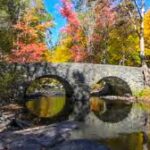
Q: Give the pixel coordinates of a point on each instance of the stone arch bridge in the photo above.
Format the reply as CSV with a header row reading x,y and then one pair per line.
x,y
78,77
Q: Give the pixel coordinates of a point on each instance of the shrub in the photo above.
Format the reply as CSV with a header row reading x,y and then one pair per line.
x,y
9,83
144,94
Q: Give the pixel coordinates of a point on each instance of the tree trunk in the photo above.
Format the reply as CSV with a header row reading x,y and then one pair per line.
x,y
142,45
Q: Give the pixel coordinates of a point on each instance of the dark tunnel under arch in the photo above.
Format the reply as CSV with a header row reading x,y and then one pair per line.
x,y
116,86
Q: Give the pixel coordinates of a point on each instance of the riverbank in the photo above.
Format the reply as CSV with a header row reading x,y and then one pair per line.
x,y
48,136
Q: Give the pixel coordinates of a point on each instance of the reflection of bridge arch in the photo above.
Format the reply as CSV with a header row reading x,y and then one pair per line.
x,y
117,110
134,122
65,92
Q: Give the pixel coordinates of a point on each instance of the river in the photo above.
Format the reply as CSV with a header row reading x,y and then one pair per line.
x,y
119,125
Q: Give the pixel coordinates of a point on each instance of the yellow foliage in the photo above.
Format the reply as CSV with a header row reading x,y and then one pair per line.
x,y
43,26
34,19
66,41
29,17
61,53
147,24
123,47
147,32
47,56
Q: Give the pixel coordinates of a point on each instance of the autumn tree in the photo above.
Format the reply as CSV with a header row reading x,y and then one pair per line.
x,y
97,19
114,30
147,35
30,44
101,31
74,31
60,53
124,41
10,10
135,11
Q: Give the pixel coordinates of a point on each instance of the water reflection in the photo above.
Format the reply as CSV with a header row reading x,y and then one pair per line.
x,y
117,124
47,106
148,144
110,111
133,141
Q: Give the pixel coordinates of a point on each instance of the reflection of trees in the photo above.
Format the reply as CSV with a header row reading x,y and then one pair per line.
x,y
47,107
133,141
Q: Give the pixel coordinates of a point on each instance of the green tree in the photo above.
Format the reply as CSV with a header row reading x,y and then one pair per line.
x,y
10,12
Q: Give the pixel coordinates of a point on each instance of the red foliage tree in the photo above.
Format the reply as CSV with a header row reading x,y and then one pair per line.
x,y
30,44
88,41
74,30
104,19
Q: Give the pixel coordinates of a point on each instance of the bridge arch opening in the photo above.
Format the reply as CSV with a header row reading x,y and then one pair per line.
x,y
49,98
111,110
112,85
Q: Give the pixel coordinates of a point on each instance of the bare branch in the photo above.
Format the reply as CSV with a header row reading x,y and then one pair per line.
x,y
138,9
132,19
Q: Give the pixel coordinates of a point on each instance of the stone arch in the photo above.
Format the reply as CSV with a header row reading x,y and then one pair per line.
x,y
117,86
68,108
68,88
116,110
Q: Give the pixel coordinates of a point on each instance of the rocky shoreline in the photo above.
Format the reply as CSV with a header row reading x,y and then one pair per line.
x,y
17,134
51,137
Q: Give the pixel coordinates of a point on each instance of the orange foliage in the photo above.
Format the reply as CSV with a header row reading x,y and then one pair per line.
x,y
30,44
28,53
96,105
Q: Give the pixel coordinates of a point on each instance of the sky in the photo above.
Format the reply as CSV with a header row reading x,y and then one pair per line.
x,y
147,3
52,7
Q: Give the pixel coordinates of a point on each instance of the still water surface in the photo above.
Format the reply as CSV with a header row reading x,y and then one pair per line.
x,y
109,112
47,107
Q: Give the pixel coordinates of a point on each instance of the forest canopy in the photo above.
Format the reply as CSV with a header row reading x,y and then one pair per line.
x,y
97,31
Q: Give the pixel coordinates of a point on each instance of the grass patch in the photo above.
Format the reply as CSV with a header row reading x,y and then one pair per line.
x,y
144,94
